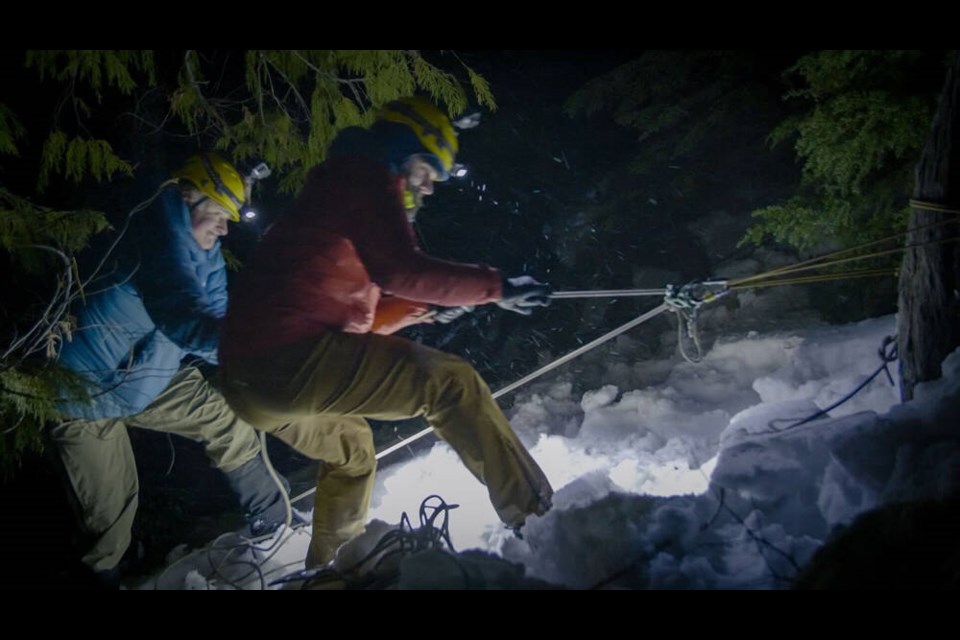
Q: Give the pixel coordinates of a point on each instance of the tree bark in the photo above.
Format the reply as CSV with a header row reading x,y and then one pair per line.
x,y
928,323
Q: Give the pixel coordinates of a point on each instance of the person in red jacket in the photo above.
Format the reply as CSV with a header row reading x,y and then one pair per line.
x,y
305,350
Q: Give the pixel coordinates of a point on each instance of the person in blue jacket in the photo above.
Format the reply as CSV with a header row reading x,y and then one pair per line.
x,y
163,297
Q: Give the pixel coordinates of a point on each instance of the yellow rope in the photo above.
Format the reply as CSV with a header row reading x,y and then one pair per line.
x,y
817,263
932,206
820,259
823,277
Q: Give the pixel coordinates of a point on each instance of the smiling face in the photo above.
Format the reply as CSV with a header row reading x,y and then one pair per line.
x,y
208,219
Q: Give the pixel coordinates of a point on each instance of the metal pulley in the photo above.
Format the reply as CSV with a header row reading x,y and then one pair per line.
x,y
691,296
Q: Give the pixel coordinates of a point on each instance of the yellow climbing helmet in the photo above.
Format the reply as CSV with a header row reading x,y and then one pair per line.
x,y
432,127
217,179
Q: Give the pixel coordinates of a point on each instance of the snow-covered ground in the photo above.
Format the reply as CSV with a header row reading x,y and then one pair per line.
x,y
702,480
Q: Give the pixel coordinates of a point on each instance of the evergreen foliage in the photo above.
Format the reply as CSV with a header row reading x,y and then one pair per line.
x,y
80,155
77,158
863,120
25,226
10,131
95,69
27,396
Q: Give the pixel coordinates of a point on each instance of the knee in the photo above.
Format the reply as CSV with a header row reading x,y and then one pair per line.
x,y
456,381
357,454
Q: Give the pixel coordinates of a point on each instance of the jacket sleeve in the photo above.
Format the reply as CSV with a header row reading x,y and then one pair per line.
x,y
385,241
394,313
186,309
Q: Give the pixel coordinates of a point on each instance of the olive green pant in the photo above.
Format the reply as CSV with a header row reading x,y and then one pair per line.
x,y
100,468
315,396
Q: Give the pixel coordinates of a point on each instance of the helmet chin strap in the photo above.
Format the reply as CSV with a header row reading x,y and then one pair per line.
x,y
199,202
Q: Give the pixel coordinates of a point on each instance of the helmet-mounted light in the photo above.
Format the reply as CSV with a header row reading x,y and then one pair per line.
x,y
260,172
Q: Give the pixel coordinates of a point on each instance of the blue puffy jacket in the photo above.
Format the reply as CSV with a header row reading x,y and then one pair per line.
x,y
164,299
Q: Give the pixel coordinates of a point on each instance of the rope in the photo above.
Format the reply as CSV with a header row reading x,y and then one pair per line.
x,y
932,206
825,277
689,320
249,544
784,271
287,503
536,374
173,454
610,293
888,353
522,381
433,534
825,259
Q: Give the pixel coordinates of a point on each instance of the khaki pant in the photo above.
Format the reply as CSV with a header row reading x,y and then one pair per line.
x,y
100,467
315,396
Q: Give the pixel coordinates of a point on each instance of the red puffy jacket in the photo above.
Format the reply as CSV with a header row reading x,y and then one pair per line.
x,y
345,258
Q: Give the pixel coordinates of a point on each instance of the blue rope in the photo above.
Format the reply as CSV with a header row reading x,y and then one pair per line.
x,y
887,353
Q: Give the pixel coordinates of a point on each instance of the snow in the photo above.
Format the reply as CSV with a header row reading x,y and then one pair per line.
x,y
700,480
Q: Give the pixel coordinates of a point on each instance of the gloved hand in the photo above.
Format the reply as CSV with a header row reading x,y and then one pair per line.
x,y
449,314
522,294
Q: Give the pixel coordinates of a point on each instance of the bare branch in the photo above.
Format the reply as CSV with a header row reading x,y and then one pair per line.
x,y
303,103
211,111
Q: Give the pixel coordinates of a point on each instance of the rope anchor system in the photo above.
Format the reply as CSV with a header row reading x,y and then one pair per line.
x,y
686,301
694,295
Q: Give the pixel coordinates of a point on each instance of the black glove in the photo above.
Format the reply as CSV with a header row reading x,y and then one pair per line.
x,y
522,294
449,314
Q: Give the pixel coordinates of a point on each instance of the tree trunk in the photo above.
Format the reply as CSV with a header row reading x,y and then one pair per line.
x,y
928,323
